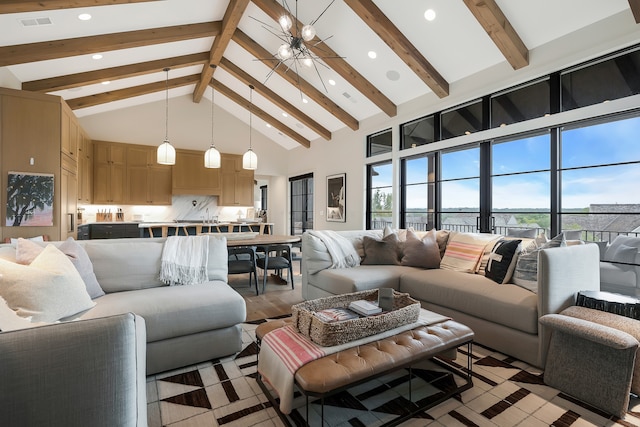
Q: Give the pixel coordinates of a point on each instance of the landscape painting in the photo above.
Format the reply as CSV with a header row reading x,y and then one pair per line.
x,y
29,200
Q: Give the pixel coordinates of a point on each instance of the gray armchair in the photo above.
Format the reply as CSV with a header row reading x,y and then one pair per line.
x,y
82,373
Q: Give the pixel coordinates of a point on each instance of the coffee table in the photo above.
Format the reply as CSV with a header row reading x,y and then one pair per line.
x,y
336,372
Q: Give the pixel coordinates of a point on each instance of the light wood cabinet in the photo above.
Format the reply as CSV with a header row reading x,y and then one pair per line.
x,y
191,177
237,183
85,168
69,132
68,204
147,182
108,172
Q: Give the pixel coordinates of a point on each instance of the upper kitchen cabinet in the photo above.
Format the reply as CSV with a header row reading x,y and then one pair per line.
x,y
147,182
191,177
85,168
237,183
109,166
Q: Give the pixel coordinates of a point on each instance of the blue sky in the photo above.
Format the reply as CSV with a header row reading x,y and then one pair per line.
x,y
601,144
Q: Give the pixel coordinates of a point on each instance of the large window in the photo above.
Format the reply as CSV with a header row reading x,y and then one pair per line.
x,y
380,195
459,186
418,132
418,192
600,174
379,143
520,104
462,120
301,203
520,183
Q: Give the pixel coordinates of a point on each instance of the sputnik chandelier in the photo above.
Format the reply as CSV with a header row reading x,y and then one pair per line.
x,y
294,53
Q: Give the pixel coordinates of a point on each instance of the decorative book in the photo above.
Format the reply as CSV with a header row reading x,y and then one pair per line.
x,y
366,308
336,314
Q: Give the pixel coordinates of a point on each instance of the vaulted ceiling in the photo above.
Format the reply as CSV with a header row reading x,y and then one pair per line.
x,y
230,44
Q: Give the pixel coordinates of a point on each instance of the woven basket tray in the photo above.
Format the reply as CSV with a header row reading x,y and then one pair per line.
x,y
405,310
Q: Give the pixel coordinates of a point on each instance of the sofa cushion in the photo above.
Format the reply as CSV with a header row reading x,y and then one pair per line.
x,y
173,311
502,260
365,277
46,290
612,250
422,253
526,272
464,251
478,296
530,233
381,252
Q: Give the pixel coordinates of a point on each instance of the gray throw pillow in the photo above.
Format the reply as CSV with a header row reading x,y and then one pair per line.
x,y
83,264
529,233
422,253
526,272
381,252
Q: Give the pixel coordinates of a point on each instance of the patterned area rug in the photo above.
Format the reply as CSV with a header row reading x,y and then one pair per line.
x,y
506,392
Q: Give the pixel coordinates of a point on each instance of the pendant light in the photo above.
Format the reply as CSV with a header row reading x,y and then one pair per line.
x,y
166,152
212,155
250,160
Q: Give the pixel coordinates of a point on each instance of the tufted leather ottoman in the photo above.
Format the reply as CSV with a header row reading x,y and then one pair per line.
x,y
344,369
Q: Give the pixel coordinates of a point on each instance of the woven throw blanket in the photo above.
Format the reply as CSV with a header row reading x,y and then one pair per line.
x,y
184,260
283,351
343,254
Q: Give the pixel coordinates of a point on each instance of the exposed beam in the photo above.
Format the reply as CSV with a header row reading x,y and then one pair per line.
x,y
12,6
115,73
273,97
401,46
314,94
260,113
339,65
32,52
230,21
498,27
117,95
635,9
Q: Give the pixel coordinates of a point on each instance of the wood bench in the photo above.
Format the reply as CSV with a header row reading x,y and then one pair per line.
x,y
342,370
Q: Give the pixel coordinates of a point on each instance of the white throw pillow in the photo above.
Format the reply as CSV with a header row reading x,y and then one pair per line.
x,y
47,290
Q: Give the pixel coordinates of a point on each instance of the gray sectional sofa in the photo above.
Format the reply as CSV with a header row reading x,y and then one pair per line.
x,y
184,324
503,316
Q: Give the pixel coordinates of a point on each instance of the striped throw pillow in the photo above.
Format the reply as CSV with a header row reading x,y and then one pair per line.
x,y
464,250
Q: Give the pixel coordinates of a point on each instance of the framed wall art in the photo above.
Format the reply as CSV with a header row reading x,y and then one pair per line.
x,y
337,197
29,200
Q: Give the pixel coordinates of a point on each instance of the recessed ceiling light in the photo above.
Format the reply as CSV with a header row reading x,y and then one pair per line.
x,y
268,125
285,115
305,101
106,82
332,82
97,56
430,14
372,54
84,17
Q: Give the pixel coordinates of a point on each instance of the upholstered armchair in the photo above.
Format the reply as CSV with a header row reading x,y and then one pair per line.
x,y
620,265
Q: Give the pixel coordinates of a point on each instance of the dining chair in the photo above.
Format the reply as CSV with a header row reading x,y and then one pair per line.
x,y
276,257
242,260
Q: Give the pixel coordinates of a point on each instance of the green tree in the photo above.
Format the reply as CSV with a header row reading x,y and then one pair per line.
x,y
25,194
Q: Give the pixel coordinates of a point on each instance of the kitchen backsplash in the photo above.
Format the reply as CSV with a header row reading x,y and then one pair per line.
x,y
182,208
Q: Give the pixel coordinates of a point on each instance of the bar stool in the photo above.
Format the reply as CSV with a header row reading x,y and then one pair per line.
x,y
161,229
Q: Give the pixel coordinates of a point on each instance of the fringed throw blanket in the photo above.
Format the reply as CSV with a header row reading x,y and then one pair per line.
x,y
343,253
184,260
283,351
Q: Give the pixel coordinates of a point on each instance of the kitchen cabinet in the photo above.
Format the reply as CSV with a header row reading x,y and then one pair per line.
x,y
191,177
237,183
148,183
85,168
39,135
109,167
108,231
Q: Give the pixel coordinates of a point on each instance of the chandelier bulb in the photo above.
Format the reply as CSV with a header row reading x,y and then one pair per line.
x,y
308,32
285,22
285,52
307,61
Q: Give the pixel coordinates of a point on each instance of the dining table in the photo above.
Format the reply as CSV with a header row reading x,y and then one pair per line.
x,y
262,240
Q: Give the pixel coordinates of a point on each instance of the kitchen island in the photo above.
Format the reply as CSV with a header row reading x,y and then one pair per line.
x,y
119,230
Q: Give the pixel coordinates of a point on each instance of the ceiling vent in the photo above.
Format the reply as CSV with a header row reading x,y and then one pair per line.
x,y
35,22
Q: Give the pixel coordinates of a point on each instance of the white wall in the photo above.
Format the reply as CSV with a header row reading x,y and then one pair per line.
x,y
8,80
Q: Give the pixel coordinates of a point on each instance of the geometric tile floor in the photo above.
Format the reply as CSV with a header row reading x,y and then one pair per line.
x,y
506,392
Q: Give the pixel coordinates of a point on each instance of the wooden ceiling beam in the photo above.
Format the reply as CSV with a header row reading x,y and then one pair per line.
x,y
274,98
401,46
115,73
498,27
120,94
245,103
635,9
248,44
32,52
333,60
20,6
230,21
